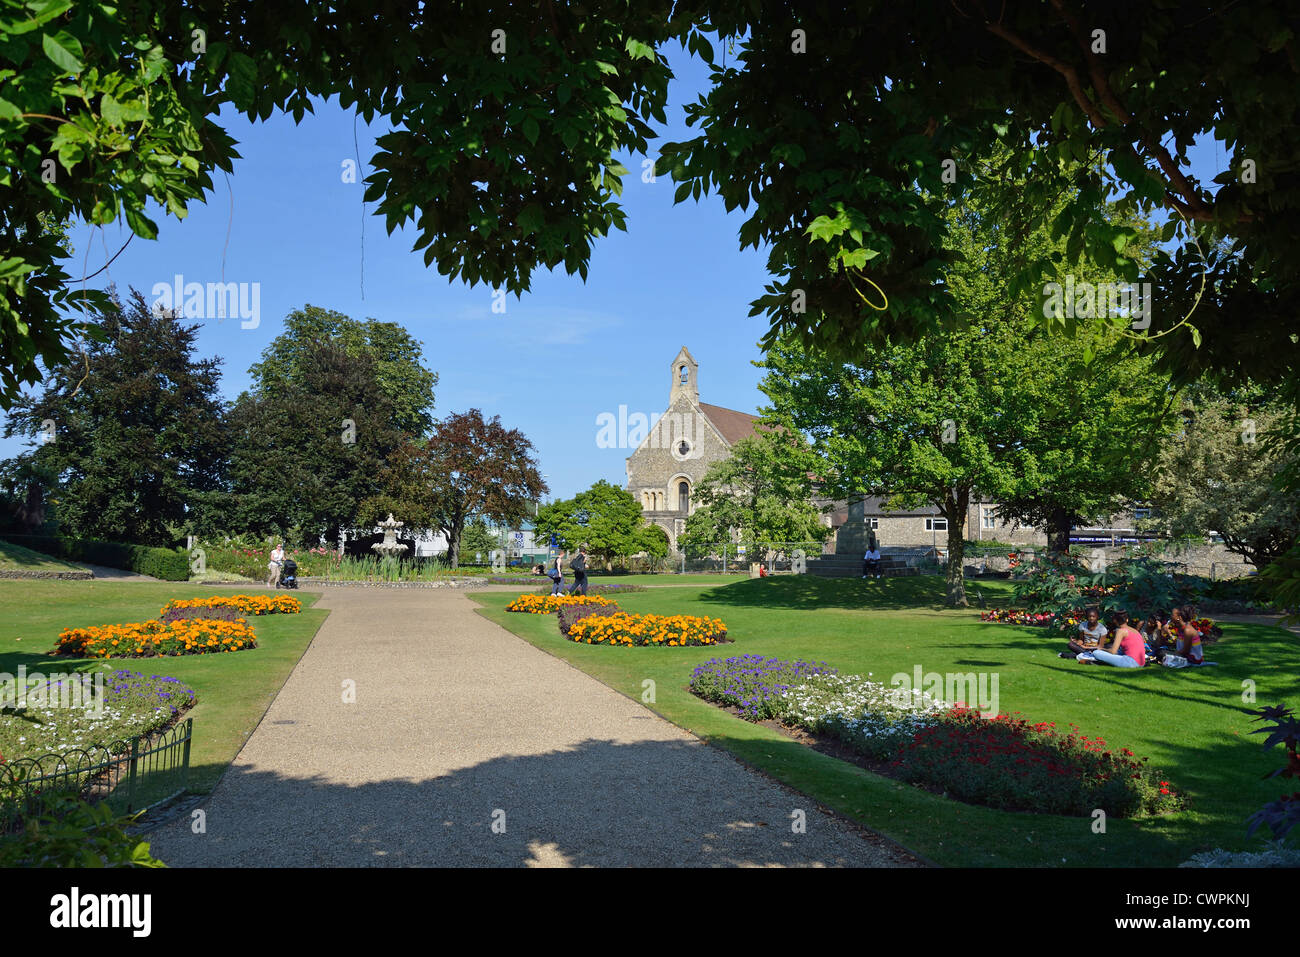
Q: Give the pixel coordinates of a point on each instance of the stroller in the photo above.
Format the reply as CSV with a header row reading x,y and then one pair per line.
x,y
288,574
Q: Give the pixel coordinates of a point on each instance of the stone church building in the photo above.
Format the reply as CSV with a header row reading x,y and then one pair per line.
x,y
676,453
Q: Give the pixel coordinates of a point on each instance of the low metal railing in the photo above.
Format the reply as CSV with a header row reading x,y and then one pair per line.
x,y
135,776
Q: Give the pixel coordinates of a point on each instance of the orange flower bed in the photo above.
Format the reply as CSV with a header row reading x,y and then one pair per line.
x,y
629,630
548,604
248,604
150,639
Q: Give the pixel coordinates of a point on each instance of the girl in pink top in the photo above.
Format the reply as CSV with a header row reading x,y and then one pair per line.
x,y
1128,649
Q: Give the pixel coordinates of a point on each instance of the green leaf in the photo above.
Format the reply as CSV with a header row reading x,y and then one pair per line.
x,y
1196,336
8,111
64,50
639,50
243,80
825,228
530,129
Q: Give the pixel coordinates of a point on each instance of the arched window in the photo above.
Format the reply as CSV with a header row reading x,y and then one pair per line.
x,y
685,374
683,496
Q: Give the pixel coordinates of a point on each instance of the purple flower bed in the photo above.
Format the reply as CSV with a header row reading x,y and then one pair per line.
x,y
220,613
568,615
751,682
159,693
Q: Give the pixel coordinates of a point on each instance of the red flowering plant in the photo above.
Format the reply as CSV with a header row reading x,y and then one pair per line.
x,y
1015,616
1007,762
1283,814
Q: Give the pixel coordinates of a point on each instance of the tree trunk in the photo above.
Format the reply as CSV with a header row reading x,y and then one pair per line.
x,y
955,510
1058,531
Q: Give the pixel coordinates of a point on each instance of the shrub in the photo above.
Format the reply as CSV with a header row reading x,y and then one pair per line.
x,y
663,630
546,604
1283,814
248,604
571,614
169,564
148,639
76,833
866,715
1006,762
751,682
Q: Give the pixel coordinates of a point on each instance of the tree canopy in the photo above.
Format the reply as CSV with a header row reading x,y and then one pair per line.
x,y
396,358
307,451
605,518
1216,472
848,128
130,436
469,468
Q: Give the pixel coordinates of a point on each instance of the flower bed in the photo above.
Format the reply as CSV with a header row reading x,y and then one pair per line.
x,y
211,614
570,614
248,604
1003,762
1006,762
548,604
134,704
147,639
751,682
869,717
669,630
1015,616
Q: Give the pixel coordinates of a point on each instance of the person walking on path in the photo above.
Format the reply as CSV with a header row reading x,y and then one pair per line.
x,y
579,566
275,564
556,574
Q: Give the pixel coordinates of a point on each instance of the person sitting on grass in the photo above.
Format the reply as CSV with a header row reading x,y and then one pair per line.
x,y
1127,650
1155,633
1186,634
1091,632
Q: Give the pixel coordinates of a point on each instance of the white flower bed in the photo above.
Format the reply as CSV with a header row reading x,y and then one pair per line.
x,y
864,714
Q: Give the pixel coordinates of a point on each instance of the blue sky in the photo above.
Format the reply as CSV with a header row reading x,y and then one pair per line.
x,y
560,356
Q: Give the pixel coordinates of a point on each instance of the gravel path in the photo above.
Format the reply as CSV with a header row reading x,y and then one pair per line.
x,y
457,724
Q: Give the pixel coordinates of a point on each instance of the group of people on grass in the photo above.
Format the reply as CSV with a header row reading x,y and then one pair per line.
x,y
555,572
1171,640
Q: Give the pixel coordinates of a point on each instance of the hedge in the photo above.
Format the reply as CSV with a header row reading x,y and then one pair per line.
x,y
169,564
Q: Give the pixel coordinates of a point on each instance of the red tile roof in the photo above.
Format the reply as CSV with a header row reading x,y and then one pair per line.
x,y
733,425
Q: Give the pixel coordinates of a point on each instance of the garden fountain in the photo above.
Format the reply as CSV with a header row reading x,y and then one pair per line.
x,y
390,547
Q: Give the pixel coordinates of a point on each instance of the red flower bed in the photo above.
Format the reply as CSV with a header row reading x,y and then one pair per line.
x,y
1006,762
1014,616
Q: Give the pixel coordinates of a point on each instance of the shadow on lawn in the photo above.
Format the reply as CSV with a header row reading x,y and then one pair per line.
x,y
811,593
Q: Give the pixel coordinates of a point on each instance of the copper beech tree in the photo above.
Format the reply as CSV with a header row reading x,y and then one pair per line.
x,y
468,468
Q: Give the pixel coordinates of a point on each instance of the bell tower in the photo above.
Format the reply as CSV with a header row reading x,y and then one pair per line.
x,y
685,378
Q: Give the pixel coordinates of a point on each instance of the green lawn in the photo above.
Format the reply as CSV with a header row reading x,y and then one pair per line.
x,y
1189,723
24,559
234,690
